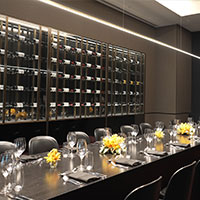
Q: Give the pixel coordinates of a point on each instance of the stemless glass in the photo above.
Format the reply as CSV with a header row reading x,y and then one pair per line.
x,y
20,144
7,162
81,150
135,132
71,139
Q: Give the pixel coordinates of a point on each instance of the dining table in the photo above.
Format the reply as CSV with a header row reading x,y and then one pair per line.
x,y
114,181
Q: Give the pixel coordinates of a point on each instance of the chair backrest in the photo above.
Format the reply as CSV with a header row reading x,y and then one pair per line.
x,y
98,133
180,183
196,183
143,126
126,129
5,146
150,191
40,144
80,134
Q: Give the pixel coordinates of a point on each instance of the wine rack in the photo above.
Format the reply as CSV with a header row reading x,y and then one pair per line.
x,y
46,74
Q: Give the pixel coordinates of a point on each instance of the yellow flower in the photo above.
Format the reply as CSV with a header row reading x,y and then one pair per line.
x,y
53,156
159,134
185,128
12,111
112,144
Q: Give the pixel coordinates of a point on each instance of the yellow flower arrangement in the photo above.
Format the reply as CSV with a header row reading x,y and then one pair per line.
x,y
53,157
159,134
185,128
113,144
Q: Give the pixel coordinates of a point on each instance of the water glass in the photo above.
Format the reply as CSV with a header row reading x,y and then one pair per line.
x,y
159,125
20,144
71,139
174,140
135,132
66,150
171,135
148,135
108,131
18,179
190,120
89,160
129,147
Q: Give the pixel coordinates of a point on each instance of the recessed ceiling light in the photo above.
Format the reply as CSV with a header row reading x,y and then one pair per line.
x,y
182,7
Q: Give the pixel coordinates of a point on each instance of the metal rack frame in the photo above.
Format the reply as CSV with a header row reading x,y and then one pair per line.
x,y
48,75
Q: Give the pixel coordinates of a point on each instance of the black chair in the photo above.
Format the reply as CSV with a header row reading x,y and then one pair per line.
x,y
196,183
40,144
126,129
148,191
180,184
5,146
98,133
143,126
80,134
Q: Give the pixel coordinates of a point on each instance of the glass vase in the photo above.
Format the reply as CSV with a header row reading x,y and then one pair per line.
x,y
53,165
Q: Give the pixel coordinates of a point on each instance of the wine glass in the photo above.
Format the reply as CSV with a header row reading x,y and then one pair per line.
x,y
190,120
81,150
135,132
20,144
159,125
148,135
7,162
71,139
176,123
170,131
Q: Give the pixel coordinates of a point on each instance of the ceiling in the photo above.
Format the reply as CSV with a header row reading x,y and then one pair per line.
x,y
153,13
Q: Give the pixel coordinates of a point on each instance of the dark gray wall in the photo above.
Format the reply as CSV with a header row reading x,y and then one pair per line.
x,y
167,94
196,76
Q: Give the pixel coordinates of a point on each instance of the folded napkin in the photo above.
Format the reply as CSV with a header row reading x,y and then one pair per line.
x,y
84,176
157,153
27,158
128,162
180,145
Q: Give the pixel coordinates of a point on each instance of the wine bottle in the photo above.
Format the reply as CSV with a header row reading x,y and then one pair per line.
x,y
2,51
19,54
35,57
21,38
53,60
2,33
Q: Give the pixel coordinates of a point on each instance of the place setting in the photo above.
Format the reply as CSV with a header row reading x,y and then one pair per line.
x,y
13,173
120,149
154,146
83,173
181,136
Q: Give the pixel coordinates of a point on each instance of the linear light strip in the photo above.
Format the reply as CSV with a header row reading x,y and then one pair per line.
x,y
57,5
